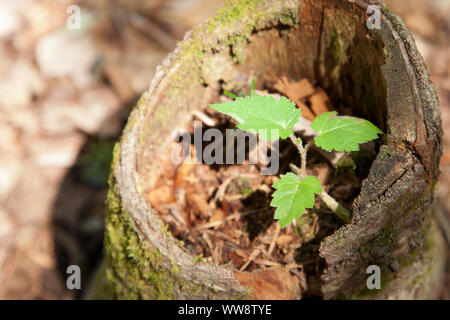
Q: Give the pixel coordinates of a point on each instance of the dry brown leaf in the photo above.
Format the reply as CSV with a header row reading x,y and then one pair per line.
x,y
284,239
217,252
160,196
445,159
183,174
296,91
306,111
270,284
198,204
217,216
319,102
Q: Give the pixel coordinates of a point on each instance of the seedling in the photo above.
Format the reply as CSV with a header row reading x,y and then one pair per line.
x,y
274,119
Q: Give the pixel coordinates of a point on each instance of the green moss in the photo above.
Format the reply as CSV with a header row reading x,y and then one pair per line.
x,y
229,31
346,162
338,236
240,185
198,258
288,19
134,268
335,48
385,277
382,246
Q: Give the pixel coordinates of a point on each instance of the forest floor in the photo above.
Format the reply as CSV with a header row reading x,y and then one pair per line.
x,y
64,98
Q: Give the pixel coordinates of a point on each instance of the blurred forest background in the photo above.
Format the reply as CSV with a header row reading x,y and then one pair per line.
x,y
64,99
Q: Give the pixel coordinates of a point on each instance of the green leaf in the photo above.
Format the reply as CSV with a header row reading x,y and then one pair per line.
x,y
230,94
265,115
292,196
252,87
342,133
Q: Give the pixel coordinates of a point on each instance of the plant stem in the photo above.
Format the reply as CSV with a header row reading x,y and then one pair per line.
x,y
329,201
334,206
302,151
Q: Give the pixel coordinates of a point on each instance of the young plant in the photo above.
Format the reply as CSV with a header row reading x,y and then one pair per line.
x,y
274,119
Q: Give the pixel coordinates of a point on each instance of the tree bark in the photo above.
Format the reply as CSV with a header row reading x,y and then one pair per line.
x,y
378,73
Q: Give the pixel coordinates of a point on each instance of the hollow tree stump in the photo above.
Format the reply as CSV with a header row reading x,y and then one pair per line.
x,y
378,73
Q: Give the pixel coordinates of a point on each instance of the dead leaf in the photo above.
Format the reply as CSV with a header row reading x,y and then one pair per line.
x,y
296,91
284,239
217,216
319,102
270,284
198,204
160,196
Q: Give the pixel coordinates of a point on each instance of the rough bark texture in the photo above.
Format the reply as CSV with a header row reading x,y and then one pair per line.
x,y
378,73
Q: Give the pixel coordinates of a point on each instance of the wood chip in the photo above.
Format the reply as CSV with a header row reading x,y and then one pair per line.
x,y
296,91
207,239
270,284
266,262
206,119
217,252
160,196
198,204
319,102
178,213
183,175
306,111
222,236
293,265
209,225
222,188
240,252
274,239
254,254
284,239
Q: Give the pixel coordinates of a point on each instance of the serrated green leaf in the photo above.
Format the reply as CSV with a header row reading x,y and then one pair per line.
x,y
292,196
342,133
265,115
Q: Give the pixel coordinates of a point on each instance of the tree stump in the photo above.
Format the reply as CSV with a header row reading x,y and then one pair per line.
x,y
378,73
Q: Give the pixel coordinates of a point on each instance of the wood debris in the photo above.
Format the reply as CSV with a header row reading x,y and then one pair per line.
x,y
312,101
223,212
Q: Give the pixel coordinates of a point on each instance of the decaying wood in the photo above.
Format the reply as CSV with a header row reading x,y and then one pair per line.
x,y
378,73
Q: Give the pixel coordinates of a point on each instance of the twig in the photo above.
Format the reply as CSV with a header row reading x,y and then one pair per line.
x,y
329,201
220,235
207,239
301,277
254,254
266,262
207,120
216,223
174,210
274,239
223,187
